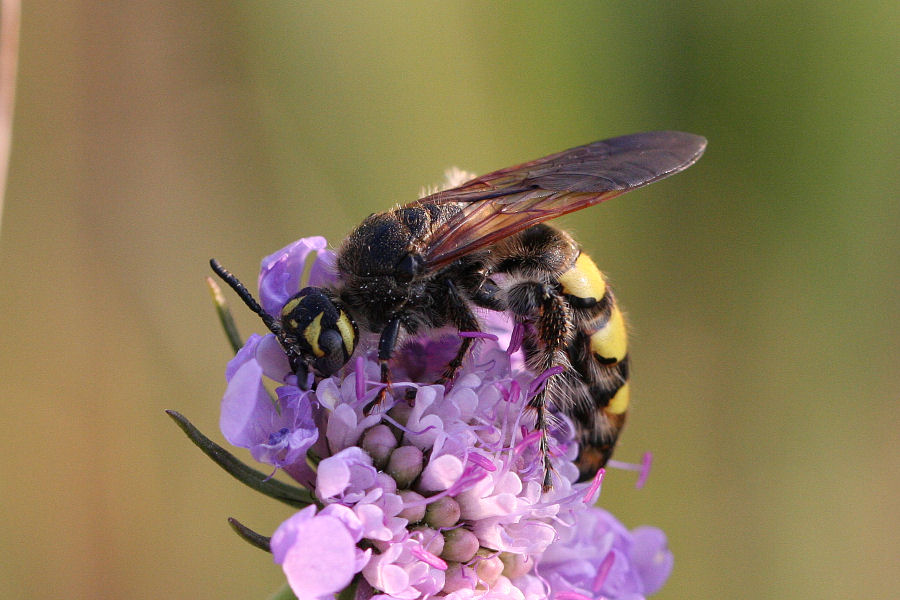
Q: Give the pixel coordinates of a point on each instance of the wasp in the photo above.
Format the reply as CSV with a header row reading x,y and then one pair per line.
x,y
485,244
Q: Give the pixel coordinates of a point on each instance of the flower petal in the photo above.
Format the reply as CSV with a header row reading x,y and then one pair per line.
x,y
317,569
246,407
281,271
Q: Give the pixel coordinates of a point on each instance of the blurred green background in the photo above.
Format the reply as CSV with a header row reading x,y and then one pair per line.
x,y
761,284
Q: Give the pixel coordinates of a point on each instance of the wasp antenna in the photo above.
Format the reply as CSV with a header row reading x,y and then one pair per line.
x,y
245,295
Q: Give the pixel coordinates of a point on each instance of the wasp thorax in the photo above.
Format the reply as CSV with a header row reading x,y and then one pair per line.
x,y
321,329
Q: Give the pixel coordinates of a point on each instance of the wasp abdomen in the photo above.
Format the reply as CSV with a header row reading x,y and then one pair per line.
x,y
598,354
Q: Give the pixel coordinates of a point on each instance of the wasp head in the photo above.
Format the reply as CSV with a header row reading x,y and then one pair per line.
x,y
317,333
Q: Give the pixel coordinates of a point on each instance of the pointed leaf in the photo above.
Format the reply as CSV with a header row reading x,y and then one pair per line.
x,y
257,480
255,539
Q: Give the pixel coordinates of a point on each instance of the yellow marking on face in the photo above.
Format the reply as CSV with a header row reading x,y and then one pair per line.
x,y
293,323
347,333
619,403
290,306
611,342
584,280
311,333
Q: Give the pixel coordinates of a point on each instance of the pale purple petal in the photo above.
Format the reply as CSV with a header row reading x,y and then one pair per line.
x,y
320,569
652,558
348,471
274,361
324,270
246,407
246,353
441,473
281,272
346,516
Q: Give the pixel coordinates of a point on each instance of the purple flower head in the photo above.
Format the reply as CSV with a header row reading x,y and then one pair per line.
x,y
437,492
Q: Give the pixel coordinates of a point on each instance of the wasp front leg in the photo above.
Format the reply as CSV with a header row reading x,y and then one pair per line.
x,y
386,344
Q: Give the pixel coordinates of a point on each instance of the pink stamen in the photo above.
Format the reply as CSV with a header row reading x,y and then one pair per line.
x,y
591,495
538,384
429,558
468,478
643,469
481,461
603,571
527,440
511,394
478,334
403,428
646,463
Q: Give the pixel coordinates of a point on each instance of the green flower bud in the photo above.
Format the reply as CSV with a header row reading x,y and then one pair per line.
x,y
460,545
379,442
442,513
405,465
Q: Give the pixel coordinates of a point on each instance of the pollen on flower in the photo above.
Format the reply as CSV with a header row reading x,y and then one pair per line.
x,y
439,492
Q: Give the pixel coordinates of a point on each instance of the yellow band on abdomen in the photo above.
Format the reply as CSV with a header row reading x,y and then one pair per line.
x,y
618,404
610,342
584,279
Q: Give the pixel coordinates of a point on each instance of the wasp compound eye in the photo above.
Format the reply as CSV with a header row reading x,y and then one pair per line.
x,y
321,329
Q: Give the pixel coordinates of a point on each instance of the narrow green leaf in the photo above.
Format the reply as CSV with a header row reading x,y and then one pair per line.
x,y
257,480
255,539
234,338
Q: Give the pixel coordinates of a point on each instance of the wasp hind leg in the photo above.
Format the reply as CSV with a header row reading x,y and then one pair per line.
x,y
550,315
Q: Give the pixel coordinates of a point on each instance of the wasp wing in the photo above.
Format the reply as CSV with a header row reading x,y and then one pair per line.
x,y
499,204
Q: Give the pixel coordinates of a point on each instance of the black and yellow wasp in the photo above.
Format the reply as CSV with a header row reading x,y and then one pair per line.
x,y
485,244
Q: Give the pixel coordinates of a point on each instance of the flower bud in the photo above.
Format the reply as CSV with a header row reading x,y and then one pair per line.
x,y
379,442
460,545
414,513
400,412
443,512
405,465
489,567
516,565
385,483
459,577
431,539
